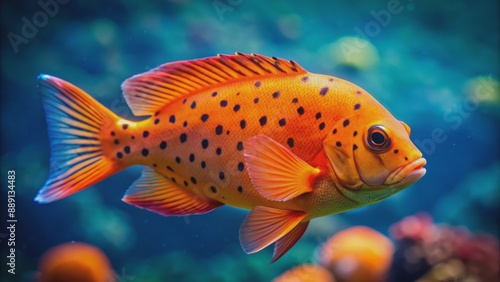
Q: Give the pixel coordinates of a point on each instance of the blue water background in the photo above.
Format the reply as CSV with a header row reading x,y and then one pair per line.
x,y
423,60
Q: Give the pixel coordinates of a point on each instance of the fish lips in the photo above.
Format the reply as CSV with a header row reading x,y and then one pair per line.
x,y
406,175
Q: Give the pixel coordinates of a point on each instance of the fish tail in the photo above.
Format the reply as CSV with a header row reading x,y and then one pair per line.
x,y
75,124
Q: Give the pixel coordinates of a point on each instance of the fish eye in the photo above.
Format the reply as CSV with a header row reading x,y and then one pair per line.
x,y
378,140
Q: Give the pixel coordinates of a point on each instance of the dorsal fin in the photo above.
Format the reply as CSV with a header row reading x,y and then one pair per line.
x,y
148,92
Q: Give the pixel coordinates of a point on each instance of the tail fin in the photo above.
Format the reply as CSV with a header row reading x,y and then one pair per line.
x,y
74,121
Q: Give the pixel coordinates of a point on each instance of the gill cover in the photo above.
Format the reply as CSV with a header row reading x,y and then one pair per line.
x,y
339,148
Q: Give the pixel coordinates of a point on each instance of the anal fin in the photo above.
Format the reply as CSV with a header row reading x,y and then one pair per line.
x,y
265,225
154,192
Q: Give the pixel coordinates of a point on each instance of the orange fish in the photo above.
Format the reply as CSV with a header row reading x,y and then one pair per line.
x,y
248,131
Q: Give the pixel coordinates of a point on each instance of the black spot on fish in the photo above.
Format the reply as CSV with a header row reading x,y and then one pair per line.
x,y
243,124
214,94
240,189
155,165
263,120
218,151
330,79
358,92
218,129
354,133
322,126
119,155
169,168
126,149
305,79
282,122
300,110
186,183
318,115
173,180
157,121
338,144
357,106
112,133
193,105
295,100
239,146
223,103
157,113
203,164
184,101
241,166
222,176
116,141
290,142
204,117
191,157
145,152
125,126
193,180
396,151
257,84
185,124
145,134
323,91
132,137
256,100
183,137
178,160
346,123
227,132
172,119
163,145
213,189
276,94
354,147
334,131
204,143
236,108
406,158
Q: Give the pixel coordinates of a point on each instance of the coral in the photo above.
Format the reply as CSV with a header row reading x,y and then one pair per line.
x,y
306,273
76,262
358,253
442,253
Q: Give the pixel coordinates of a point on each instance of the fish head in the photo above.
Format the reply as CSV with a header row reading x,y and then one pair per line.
x,y
372,157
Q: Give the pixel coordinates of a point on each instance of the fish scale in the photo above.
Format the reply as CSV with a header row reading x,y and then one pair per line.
x,y
271,106
247,131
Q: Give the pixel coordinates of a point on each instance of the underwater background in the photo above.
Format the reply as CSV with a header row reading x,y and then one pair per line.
x,y
432,64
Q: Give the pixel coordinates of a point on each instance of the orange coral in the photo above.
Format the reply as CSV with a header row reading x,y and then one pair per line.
x,y
306,273
357,254
77,262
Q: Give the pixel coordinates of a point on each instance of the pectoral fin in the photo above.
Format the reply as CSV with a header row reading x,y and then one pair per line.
x,y
275,172
158,194
265,225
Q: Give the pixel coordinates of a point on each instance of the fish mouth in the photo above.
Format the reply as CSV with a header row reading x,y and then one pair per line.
x,y
406,175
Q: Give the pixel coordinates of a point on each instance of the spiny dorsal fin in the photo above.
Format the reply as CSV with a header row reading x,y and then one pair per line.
x,y
148,92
